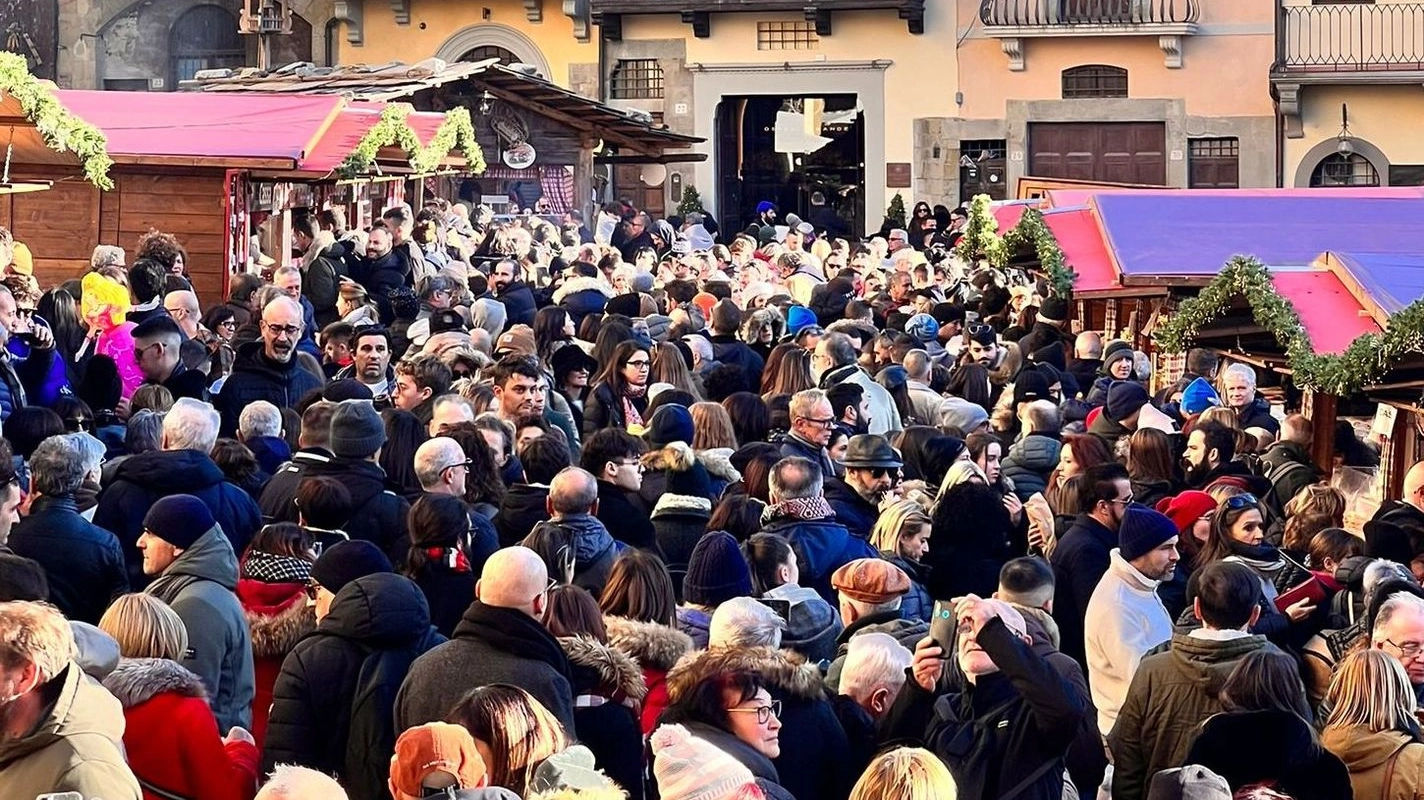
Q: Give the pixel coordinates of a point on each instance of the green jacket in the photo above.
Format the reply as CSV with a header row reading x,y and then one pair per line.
x,y
75,748
1171,694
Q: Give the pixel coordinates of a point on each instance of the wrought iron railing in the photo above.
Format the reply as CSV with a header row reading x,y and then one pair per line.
x,y
1351,38
1052,13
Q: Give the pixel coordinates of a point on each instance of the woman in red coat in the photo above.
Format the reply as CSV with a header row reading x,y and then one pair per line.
x,y
272,588
170,735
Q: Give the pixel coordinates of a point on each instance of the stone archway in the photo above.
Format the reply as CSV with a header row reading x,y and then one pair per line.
x,y
491,34
1329,147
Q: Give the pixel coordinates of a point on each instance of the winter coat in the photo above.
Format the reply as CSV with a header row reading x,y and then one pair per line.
x,y
1273,747
608,691
256,377
1149,492
916,604
677,457
1369,755
277,618
375,629
184,382
603,410
822,546
144,478
321,280
83,562
623,519
448,591
793,445
581,297
519,306
696,624
1124,621
1011,728
908,633
380,514
815,754
1029,462
1079,562
657,649
172,742
975,539
271,452
491,645
1108,430
728,349
524,506
379,276
276,503
1257,414
678,522
76,747
595,550
857,514
812,624
1172,693
200,586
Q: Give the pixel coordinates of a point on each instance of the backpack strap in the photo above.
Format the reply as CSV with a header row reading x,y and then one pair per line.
x,y
1389,772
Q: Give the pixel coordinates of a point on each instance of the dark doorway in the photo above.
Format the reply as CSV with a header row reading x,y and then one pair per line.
x,y
981,169
818,147
1116,152
205,37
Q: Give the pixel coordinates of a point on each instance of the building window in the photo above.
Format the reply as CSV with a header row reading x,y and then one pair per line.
x,y
636,79
1094,80
790,35
1214,163
488,51
1342,170
1406,174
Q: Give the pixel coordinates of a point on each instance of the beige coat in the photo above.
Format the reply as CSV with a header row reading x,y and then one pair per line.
x,y
1366,754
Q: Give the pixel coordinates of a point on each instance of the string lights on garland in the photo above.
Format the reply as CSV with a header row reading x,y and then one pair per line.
x,y
61,130
455,132
981,242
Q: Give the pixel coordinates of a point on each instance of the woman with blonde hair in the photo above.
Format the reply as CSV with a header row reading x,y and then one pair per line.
x,y
907,773
670,367
712,427
1372,727
170,734
513,731
902,535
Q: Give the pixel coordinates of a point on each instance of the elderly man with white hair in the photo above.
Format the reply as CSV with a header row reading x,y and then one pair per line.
x,y
815,758
289,782
871,678
59,730
259,426
442,469
182,466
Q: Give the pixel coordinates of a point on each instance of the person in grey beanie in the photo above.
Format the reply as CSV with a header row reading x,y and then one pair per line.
x,y
379,516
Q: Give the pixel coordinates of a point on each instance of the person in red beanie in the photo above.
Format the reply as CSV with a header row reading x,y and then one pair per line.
x,y
1191,512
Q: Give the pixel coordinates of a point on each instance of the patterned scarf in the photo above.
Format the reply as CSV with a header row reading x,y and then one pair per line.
x,y
631,416
272,568
808,508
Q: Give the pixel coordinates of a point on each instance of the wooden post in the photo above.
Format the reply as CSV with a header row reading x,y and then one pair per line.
x,y
583,177
1320,407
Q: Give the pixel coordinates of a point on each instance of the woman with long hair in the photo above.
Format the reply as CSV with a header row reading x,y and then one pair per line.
x,y
1238,533
640,612
1079,453
1373,726
985,536
751,420
516,731
484,490
668,366
442,559
1313,509
902,535
620,394
712,427
986,451
404,435
553,328
355,306
1150,466
906,773
171,739
609,336
772,369
793,374
272,587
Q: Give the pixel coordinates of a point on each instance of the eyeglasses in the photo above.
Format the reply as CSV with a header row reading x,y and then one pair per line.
x,y
764,713
1241,501
465,464
634,463
1407,649
228,323
823,423
283,330
639,364
139,351
1127,501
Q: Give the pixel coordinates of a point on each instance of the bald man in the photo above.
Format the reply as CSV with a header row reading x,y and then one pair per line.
x,y
183,307
267,369
1397,530
573,503
499,640
1087,358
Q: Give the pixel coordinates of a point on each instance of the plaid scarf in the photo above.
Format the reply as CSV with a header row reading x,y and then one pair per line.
x,y
272,568
807,508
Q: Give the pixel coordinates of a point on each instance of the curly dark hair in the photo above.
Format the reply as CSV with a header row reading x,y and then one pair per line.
x,y
161,247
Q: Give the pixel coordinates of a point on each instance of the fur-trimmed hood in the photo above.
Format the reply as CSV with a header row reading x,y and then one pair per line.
x,y
616,670
785,670
671,504
652,645
763,318
679,457
276,619
138,680
581,284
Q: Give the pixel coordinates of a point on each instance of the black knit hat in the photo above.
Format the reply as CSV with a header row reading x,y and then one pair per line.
x,y
357,430
179,519
629,305
347,561
716,571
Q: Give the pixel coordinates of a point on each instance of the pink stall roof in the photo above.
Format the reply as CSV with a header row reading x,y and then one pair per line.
x,y
1330,313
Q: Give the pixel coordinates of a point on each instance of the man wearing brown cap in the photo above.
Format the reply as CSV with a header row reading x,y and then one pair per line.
x,y
870,591
439,756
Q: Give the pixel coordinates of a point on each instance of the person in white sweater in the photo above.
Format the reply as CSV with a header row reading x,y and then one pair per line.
x,y
1125,618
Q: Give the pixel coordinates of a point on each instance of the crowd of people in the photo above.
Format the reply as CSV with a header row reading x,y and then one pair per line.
x,y
476,508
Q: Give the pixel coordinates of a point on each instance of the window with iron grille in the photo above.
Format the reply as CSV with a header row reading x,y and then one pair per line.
x,y
1214,163
637,79
1338,169
787,35
1094,80
983,149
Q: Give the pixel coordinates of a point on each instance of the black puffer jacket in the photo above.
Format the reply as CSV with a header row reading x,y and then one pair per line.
x,y
1029,462
525,505
380,512
256,377
317,720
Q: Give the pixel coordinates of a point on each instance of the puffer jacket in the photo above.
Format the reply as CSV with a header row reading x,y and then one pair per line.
x,y
1369,755
581,297
201,588
916,604
822,546
657,649
277,618
1029,462
815,754
603,410
171,739
812,624
256,377
608,692
317,720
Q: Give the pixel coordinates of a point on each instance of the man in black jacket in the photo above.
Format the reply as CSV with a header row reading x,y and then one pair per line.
x,y
357,435
727,348
156,343
612,456
812,421
526,504
517,297
1082,556
267,369
872,467
315,448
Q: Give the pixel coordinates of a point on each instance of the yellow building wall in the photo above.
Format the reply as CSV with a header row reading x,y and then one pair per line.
x,y
1387,117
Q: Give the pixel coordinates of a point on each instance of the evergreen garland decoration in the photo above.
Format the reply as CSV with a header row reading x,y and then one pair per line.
x,y
1032,230
455,132
60,129
690,203
896,212
981,235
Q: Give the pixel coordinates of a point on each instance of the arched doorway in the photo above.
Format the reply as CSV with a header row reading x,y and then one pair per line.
x,y
205,37
488,51
1339,169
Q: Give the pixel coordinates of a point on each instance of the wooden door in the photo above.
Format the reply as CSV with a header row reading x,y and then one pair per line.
x,y
1119,152
628,183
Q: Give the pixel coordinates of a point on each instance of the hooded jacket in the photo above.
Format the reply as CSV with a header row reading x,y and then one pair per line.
x,y
256,377
83,562
608,691
812,624
76,747
582,296
656,649
728,349
884,414
277,618
201,588
1172,693
595,550
1367,756
1029,462
144,478
379,514
322,270
822,546
519,307
1274,747
171,739
524,506
815,754
332,703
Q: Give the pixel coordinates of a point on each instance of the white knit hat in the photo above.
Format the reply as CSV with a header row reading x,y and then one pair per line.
x,y
689,768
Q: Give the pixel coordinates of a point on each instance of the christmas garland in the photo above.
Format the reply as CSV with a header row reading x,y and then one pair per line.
x,y
60,129
981,241
456,131
1364,362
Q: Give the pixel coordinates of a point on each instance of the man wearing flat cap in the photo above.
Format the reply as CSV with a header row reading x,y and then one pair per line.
x,y
870,592
872,468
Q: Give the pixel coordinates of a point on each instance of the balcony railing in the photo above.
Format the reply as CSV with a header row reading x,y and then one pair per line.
x,y
1060,13
1351,38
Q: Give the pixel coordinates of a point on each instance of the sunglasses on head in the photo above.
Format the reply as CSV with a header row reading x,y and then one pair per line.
x,y
979,329
1241,501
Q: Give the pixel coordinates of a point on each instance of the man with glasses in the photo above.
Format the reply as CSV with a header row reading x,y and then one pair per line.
x,y
1083,553
872,468
183,307
613,456
1399,631
442,468
267,369
811,424
156,349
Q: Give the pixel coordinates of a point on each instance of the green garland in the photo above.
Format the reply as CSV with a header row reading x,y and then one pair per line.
x,y
981,241
456,132
981,235
1364,362
60,129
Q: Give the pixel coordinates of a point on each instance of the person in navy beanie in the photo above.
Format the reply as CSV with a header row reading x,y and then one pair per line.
x,y
669,423
716,573
1118,418
195,573
341,564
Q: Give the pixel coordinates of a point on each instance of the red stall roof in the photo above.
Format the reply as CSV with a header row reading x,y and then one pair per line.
x,y
1330,313
351,125
235,129
1081,241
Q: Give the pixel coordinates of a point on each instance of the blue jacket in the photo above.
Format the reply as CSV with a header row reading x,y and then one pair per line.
x,y
144,478
1079,561
83,561
256,377
917,604
822,546
42,372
